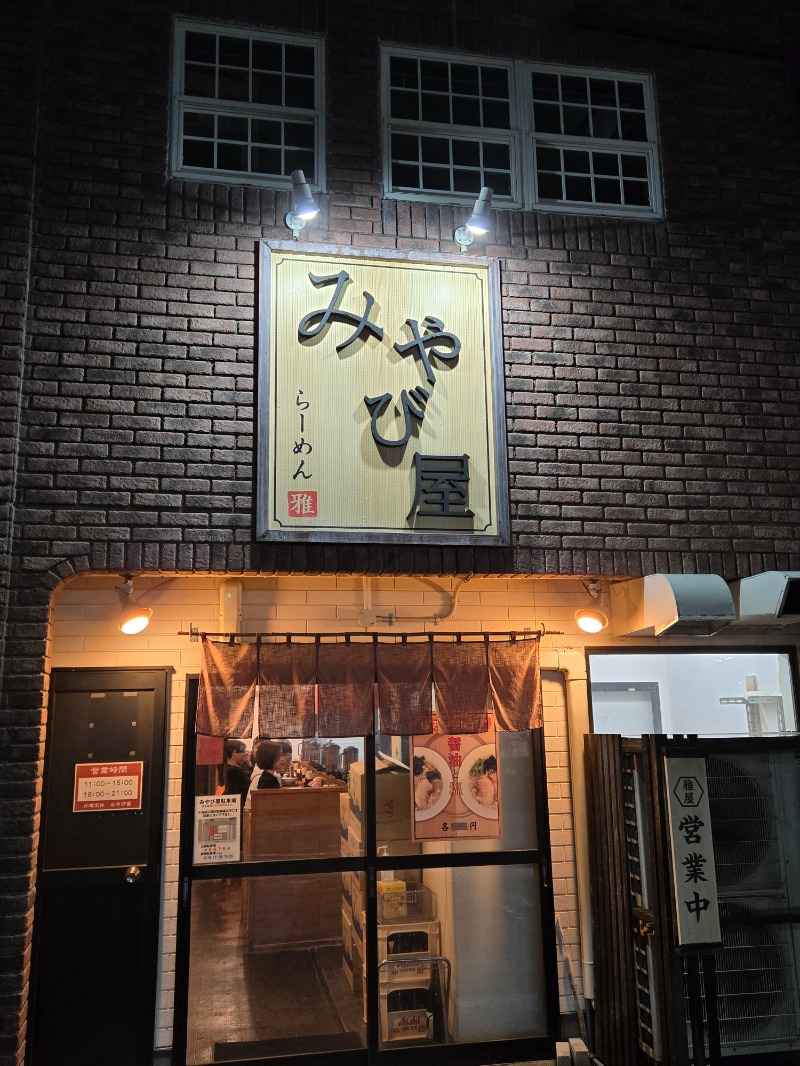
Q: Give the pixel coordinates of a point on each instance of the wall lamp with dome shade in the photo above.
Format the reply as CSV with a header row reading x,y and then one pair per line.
x,y
479,222
305,207
591,619
135,616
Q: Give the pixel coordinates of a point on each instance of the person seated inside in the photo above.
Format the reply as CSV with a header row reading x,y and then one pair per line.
x,y
274,758
236,771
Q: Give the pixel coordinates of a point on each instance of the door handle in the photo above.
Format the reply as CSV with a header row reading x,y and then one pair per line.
x,y
132,874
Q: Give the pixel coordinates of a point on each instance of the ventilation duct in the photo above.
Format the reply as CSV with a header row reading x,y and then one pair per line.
x,y
695,605
769,599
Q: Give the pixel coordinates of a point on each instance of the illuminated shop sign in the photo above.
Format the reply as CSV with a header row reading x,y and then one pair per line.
x,y
381,399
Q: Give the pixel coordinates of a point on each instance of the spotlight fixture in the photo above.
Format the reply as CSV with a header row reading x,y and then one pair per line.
x,y
590,619
305,207
134,616
478,222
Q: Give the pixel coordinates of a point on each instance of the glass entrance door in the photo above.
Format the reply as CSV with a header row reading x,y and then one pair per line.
x,y
354,925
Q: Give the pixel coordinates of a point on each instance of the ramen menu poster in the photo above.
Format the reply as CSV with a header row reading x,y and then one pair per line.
x,y
455,787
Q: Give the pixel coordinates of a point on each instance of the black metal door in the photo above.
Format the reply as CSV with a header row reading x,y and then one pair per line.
x,y
97,903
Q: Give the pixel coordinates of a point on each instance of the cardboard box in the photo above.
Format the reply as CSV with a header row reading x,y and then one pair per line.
x,y
344,813
392,798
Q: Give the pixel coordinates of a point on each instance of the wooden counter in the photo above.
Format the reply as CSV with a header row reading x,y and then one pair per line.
x,y
296,910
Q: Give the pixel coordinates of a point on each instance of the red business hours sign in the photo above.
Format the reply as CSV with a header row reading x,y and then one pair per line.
x,y
108,786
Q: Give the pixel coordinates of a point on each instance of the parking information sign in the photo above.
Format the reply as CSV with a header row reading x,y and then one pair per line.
x,y
217,829
694,873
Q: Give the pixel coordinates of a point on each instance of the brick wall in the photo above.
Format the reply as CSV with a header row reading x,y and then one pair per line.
x,y
652,385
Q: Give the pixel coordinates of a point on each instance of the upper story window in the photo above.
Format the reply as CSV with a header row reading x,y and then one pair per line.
x,y
247,106
554,138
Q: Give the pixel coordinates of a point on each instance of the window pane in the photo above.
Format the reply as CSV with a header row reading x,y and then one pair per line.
x,y
299,59
604,123
576,121
576,161
198,153
605,163
435,150
603,92
403,73
267,89
466,153
465,79
201,47
547,118
682,693
634,126
234,51
267,55
198,123
299,134
634,166
607,191
405,146
232,128
496,114
199,81
271,969
233,84
405,104
466,112
267,161
636,193
435,76
579,189
232,156
496,155
467,180
299,92
514,787
631,94
405,176
544,86
574,90
499,182
266,132
550,187
548,158
436,179
435,108
494,82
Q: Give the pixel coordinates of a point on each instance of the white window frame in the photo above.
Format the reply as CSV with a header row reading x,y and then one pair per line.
x,y
182,102
523,140
511,136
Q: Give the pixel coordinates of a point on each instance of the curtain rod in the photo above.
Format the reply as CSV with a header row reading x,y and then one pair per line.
x,y
309,638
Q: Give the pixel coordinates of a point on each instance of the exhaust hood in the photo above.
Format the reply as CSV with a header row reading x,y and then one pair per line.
x,y
768,599
696,605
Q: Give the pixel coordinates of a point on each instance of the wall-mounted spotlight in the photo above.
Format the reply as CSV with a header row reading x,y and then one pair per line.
x,y
134,616
305,207
478,223
590,619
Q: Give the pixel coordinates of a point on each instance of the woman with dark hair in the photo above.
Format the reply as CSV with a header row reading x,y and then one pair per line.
x,y
274,758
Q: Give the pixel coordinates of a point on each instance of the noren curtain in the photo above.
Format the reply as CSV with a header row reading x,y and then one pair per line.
x,y
329,689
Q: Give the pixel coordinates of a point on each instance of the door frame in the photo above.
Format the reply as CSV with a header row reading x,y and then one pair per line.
x,y
462,1054
92,679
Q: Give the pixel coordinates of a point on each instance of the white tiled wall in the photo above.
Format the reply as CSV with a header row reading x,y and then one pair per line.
x,y
85,635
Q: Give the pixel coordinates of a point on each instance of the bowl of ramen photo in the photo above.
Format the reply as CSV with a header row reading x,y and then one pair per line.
x,y
431,781
478,779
